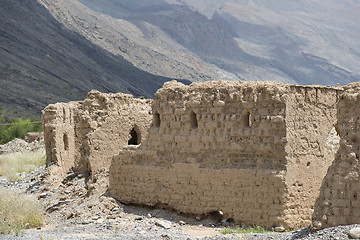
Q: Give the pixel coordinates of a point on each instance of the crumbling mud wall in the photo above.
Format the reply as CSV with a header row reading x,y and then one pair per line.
x,y
85,135
59,137
311,146
339,201
232,147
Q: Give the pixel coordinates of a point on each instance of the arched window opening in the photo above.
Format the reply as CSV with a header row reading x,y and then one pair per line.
x,y
134,136
156,119
193,120
66,141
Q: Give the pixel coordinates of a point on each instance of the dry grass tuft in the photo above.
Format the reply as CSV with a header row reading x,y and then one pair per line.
x,y
13,164
255,229
18,211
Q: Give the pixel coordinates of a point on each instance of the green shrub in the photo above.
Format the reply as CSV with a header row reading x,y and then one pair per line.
x,y
17,128
18,211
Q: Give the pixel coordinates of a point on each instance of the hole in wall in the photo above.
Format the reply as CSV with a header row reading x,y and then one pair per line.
x,y
64,115
247,118
134,136
216,216
66,141
193,120
231,221
308,164
156,119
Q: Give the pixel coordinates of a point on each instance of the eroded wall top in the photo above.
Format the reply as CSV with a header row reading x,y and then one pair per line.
x,y
85,135
339,201
210,138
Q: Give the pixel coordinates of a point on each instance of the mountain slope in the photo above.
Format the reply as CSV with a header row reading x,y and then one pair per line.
x,y
144,44
225,39
57,50
287,32
42,62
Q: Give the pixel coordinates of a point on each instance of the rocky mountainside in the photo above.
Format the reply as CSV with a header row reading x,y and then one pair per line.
x,y
304,42
42,62
58,50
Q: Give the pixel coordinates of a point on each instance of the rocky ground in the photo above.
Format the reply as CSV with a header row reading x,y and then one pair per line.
x,y
73,210
20,146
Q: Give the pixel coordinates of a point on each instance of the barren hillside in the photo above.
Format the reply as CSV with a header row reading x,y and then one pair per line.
x,y
42,62
58,50
302,42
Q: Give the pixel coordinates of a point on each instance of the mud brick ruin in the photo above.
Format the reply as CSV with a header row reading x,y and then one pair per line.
x,y
85,135
262,153
254,150
339,201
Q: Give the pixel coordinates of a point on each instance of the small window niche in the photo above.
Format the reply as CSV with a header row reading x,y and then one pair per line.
x,y
64,115
156,119
247,121
193,120
134,136
66,142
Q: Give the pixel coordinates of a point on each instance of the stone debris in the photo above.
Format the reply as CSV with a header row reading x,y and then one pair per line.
x,y
163,224
355,233
34,136
20,146
182,223
279,229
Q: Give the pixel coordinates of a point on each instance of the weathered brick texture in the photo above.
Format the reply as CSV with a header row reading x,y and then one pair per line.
x,y
257,151
86,135
339,201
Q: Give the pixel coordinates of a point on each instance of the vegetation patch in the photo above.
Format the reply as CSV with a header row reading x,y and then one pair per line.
x,y
18,211
256,229
17,127
13,164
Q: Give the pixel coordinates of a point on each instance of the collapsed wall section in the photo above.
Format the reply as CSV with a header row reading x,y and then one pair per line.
x,y
339,201
85,135
214,146
59,137
106,123
311,146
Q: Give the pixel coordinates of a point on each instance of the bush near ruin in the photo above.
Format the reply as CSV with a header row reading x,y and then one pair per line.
x,y
17,128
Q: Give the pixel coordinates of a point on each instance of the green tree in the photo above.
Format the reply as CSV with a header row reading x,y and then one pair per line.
x,y
17,128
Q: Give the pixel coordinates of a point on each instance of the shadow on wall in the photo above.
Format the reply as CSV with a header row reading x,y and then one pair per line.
x,y
339,199
134,136
223,146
